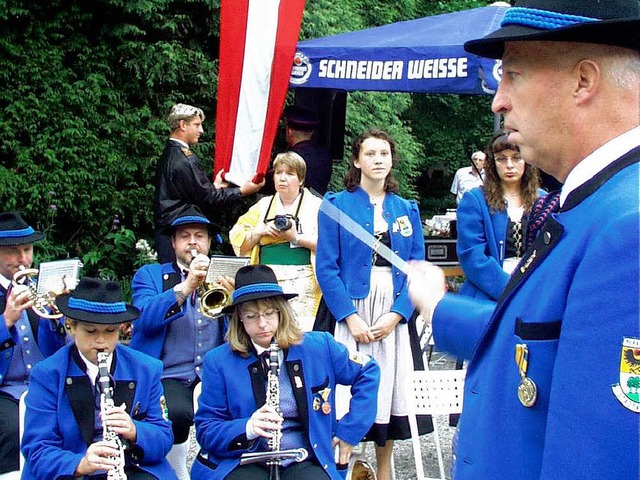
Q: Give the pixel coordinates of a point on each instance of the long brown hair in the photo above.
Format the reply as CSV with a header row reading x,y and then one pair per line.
x,y
288,332
493,190
353,176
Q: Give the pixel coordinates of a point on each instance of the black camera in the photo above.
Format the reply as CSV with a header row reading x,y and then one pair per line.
x,y
283,222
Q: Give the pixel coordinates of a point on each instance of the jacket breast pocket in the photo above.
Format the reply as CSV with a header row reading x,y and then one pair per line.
x,y
538,330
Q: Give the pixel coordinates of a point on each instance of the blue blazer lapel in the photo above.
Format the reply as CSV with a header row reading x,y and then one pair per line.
x,y
258,381
80,391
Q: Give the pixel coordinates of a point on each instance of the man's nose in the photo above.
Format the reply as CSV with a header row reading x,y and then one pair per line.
x,y
500,103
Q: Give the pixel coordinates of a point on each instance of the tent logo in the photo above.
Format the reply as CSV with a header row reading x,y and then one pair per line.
x,y
497,71
301,70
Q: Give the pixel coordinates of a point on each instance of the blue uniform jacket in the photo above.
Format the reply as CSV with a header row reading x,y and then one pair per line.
x,y
573,300
159,307
59,422
482,237
233,388
343,262
49,335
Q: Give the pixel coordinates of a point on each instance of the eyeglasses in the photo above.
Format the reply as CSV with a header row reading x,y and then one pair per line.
x,y
253,317
504,158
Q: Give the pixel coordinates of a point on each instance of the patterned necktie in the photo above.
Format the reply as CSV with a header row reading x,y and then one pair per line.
x,y
542,208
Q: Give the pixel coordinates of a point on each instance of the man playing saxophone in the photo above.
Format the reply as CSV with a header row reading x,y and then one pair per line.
x,y
96,409
25,339
245,423
172,326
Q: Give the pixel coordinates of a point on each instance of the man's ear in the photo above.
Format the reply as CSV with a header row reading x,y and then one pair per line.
x,y
588,78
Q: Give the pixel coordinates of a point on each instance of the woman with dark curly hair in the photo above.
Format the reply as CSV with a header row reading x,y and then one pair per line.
x,y
492,219
363,291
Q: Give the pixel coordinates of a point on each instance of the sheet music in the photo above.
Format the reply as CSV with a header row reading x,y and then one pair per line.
x,y
58,276
226,266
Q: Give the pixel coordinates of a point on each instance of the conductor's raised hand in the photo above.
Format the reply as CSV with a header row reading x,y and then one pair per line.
x,y
426,286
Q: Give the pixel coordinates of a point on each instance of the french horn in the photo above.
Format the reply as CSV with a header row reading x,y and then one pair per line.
x,y
44,303
212,297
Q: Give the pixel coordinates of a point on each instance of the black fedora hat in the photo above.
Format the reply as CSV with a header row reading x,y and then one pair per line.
x,y
96,301
15,231
301,118
256,282
190,215
611,22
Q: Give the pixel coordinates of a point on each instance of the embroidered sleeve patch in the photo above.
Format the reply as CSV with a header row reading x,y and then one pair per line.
x,y
164,409
628,390
359,358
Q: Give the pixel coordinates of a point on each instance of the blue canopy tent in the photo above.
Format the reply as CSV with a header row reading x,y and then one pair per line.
x,y
425,55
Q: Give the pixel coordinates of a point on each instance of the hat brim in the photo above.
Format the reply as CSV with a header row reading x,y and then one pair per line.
x,y
129,315
33,238
619,33
256,296
211,227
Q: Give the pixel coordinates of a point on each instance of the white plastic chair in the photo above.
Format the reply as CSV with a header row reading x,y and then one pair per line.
x,y
16,474
432,392
22,410
197,390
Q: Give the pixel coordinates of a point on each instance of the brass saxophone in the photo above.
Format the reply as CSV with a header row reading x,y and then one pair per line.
x,y
106,401
275,455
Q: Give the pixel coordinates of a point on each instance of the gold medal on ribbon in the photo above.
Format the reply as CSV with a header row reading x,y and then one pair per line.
x,y
527,392
527,389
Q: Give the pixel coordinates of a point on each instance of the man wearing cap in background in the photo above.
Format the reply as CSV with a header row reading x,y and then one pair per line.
x,y
552,384
25,339
69,424
172,326
299,128
180,180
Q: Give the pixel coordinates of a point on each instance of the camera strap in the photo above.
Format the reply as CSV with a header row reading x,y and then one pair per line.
x,y
295,216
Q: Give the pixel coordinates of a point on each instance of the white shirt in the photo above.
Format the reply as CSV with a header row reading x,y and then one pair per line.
x,y
599,160
465,180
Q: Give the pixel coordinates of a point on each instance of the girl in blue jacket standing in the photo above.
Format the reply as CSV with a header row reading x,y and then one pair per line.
x,y
363,291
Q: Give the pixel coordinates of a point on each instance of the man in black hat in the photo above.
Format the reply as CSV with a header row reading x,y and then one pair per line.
x,y
25,339
180,180
173,327
96,405
554,369
299,128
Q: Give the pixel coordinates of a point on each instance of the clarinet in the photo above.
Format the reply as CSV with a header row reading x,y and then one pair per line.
x,y
106,401
273,457
273,400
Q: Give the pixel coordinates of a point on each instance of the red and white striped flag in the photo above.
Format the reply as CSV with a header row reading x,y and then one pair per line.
x,y
257,44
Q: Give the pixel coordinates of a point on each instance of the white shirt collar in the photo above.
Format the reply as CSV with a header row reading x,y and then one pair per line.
x,y
599,160
5,282
181,142
92,369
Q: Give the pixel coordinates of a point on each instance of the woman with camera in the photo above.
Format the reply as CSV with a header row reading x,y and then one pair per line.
x,y
281,231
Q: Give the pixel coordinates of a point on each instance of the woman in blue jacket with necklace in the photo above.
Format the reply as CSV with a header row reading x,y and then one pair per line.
x,y
363,291
492,219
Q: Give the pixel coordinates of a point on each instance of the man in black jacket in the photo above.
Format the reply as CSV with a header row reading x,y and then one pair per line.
x,y
181,181
300,125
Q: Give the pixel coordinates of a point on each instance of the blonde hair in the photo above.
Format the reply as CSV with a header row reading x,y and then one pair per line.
x,y
288,333
294,162
182,111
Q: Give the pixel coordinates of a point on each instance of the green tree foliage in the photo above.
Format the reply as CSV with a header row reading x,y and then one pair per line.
x,y
89,83
87,86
